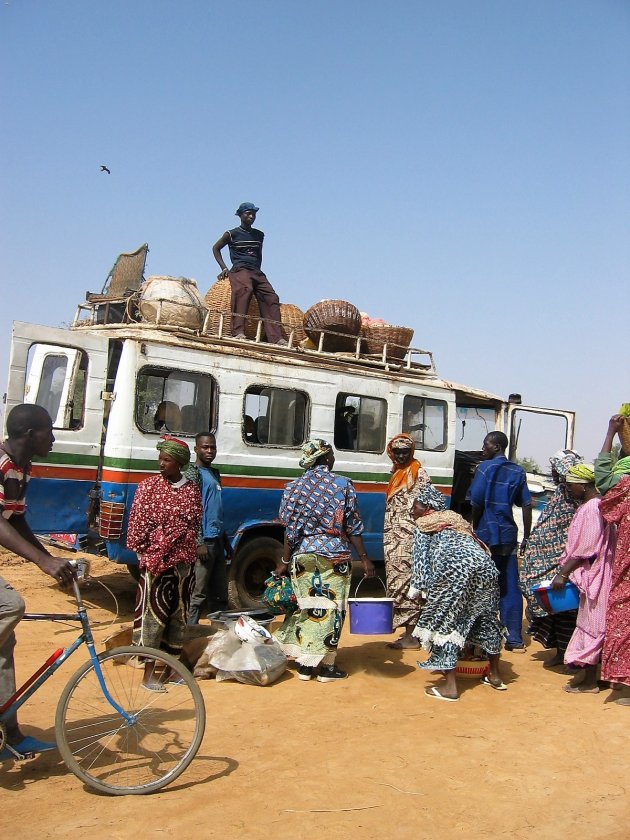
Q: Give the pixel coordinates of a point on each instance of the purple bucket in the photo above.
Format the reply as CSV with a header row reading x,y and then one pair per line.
x,y
371,616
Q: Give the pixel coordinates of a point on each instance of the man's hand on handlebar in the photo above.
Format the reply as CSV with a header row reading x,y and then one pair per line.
x,y
63,571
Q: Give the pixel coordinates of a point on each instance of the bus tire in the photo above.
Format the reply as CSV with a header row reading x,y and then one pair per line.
x,y
251,566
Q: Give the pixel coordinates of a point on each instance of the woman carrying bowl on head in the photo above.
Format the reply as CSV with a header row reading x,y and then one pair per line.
x,y
163,526
613,479
322,524
541,557
587,562
455,575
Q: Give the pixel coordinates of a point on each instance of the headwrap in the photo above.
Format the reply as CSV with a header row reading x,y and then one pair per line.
x,y
429,496
563,460
312,450
403,478
622,467
177,449
440,519
581,474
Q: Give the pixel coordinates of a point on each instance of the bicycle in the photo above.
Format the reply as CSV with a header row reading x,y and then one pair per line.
x,y
115,734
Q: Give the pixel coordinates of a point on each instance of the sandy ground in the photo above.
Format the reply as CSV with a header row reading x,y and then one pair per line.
x,y
370,757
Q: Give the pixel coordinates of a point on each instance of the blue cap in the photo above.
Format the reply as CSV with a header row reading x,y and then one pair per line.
x,y
246,205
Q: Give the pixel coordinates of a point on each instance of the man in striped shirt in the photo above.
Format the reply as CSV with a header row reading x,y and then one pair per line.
x,y
246,276
29,430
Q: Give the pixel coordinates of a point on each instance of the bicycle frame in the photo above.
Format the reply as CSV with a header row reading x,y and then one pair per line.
x,y
39,677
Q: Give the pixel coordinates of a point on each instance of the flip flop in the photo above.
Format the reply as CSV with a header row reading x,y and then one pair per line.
x,y
433,692
575,689
501,687
155,687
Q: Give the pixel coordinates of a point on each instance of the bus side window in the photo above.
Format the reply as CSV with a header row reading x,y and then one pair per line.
x,y
360,423
425,421
175,402
274,416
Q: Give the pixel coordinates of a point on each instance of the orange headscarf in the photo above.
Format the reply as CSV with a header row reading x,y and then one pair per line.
x,y
403,478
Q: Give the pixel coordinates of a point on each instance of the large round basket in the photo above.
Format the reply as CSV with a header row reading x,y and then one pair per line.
x,y
219,302
472,669
336,316
292,319
172,302
377,336
624,435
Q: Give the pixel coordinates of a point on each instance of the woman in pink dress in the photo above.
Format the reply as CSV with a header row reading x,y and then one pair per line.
x,y
587,561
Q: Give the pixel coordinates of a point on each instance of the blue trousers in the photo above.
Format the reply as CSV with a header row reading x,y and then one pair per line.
x,y
511,599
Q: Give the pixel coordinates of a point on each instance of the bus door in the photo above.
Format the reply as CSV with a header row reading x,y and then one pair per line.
x,y
64,372
536,433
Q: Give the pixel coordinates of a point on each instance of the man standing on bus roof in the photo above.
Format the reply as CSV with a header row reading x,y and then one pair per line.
x,y
29,433
246,276
497,485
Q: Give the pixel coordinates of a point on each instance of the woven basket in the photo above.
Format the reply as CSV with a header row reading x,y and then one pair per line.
x,y
219,302
624,435
292,318
338,316
171,301
472,669
397,339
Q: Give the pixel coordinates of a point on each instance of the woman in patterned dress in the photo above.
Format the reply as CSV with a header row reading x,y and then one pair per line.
x,y
163,525
453,572
613,479
399,527
587,560
541,558
322,524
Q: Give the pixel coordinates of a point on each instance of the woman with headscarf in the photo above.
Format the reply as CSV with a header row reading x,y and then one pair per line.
x,y
407,478
613,479
322,524
163,526
540,560
587,562
454,574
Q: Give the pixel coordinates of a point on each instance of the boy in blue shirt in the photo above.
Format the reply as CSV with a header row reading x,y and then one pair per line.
x,y
213,543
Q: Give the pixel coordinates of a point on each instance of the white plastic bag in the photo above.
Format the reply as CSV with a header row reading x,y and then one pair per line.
x,y
251,663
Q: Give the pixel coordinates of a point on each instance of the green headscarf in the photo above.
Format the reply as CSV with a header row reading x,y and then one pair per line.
x,y
622,467
581,474
176,448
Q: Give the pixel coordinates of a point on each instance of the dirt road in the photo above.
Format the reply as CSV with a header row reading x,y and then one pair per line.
x,y
370,757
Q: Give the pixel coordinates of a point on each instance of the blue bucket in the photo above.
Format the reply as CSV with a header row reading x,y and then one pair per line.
x,y
371,616
557,600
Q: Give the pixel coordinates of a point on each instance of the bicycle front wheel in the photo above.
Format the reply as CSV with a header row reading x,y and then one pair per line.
x,y
154,745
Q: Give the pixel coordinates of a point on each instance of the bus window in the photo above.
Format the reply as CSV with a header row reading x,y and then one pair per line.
x,y
175,402
474,422
55,379
360,423
425,421
274,416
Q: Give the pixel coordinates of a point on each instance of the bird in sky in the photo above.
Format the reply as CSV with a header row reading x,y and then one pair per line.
x,y
105,169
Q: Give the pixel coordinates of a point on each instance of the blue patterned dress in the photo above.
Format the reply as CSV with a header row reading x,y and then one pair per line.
x,y
319,511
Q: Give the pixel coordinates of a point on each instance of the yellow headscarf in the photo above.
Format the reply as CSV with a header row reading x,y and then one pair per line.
x,y
581,474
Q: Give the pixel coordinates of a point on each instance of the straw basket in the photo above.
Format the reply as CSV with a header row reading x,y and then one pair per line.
x,y
171,301
624,435
397,339
338,316
472,669
219,302
292,319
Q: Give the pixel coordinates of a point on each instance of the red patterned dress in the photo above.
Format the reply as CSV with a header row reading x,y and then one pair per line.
x,y
163,527
615,507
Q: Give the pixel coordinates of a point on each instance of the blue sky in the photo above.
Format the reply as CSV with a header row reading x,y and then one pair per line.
x,y
460,167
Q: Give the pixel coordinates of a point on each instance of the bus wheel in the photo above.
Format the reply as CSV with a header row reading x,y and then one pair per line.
x,y
249,570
